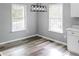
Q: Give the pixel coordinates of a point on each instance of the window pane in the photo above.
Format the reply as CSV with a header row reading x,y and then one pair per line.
x,y
55,18
17,17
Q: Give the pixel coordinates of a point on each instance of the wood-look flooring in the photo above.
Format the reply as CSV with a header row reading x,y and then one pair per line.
x,y
36,47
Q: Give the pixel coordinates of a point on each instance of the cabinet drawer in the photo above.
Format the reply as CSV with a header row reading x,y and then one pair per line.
x,y
73,33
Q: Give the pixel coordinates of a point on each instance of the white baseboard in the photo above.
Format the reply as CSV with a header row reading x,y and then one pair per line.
x,y
52,39
33,36
17,39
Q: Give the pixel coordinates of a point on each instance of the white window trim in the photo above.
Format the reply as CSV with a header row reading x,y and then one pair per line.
x,y
25,18
58,18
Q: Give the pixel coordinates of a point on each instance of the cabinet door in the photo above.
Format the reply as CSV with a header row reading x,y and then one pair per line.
x,y
74,9
73,42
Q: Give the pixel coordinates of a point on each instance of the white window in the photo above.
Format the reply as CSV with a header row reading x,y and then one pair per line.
x,y
18,22
56,18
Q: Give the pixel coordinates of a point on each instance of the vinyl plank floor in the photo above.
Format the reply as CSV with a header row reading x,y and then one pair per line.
x,y
37,47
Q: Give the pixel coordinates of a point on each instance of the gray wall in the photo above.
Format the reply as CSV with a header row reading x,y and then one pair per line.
x,y
75,20
37,23
5,24
43,23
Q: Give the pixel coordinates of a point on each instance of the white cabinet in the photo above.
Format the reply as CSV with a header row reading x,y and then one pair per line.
x,y
74,9
73,41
